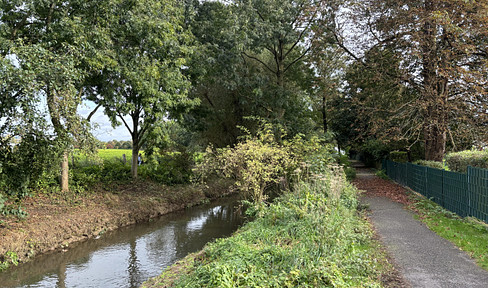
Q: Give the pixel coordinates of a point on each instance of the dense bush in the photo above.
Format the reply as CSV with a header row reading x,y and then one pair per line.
x,y
168,168
255,164
259,163
399,156
372,152
311,237
23,166
431,164
460,161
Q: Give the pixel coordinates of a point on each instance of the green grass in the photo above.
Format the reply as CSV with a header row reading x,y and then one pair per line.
x,y
110,154
309,238
470,235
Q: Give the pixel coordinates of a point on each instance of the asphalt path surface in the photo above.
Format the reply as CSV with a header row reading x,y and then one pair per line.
x,y
422,257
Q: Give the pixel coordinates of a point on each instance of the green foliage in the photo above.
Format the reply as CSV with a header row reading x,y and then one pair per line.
x,y
373,151
315,154
150,48
460,161
350,173
432,164
255,163
311,237
382,174
399,156
259,163
8,259
168,168
23,166
469,234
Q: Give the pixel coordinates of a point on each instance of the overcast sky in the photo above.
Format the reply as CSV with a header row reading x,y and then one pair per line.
x,y
105,132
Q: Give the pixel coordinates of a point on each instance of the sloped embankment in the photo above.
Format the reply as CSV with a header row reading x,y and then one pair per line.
x,y
60,220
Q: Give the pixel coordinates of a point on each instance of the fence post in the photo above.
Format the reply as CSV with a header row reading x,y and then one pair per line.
x,y
124,159
469,173
426,189
442,190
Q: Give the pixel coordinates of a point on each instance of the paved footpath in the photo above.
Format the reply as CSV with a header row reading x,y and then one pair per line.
x,y
423,258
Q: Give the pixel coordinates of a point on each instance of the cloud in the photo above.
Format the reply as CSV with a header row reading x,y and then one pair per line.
x,y
103,129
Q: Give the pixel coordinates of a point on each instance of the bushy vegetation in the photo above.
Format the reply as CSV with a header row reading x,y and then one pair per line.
x,y
460,161
431,164
373,151
108,166
258,164
399,156
311,237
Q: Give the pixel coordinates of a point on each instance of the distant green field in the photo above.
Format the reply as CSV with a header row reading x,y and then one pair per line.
x,y
107,154
114,153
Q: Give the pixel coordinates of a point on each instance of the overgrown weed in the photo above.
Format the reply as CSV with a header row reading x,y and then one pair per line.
x,y
311,237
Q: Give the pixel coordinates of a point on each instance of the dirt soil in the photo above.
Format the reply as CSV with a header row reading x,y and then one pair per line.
x,y
57,221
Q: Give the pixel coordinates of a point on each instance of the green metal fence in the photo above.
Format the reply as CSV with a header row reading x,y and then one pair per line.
x,y
463,194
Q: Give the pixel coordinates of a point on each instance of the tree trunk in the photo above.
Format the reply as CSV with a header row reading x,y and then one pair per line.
x,y
434,93
65,172
135,162
52,104
324,113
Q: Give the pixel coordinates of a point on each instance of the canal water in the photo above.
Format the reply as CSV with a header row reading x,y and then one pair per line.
x,y
129,256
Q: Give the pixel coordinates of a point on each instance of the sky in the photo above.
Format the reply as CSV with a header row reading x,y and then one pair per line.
x,y
104,132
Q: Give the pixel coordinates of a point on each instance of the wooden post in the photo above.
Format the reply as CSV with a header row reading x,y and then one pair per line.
x,y
64,172
124,159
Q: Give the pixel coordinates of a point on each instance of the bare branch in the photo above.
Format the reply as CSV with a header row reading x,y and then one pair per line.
x,y
125,123
93,112
259,60
297,59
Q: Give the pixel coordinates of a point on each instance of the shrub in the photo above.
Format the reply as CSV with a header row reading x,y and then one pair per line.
x,y
382,174
168,168
372,152
115,170
259,163
255,164
431,164
460,161
350,173
399,156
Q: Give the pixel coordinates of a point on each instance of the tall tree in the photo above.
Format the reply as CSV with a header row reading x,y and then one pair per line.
x,y
443,49
230,70
280,34
145,82
54,42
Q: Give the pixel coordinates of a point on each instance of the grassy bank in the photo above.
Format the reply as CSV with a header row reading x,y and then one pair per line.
x,y
312,237
470,235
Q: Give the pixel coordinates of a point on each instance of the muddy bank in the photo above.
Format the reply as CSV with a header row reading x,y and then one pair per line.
x,y
61,220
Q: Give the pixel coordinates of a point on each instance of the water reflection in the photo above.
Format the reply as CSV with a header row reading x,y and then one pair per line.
x,y
127,257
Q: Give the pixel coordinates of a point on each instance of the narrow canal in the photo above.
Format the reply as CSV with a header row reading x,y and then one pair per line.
x,y
129,256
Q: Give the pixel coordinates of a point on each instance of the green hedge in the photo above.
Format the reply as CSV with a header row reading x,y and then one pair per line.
x,y
399,156
431,164
460,161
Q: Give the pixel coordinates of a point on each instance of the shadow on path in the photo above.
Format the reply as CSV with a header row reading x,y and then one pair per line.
x,y
424,258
